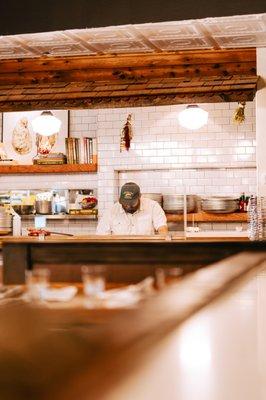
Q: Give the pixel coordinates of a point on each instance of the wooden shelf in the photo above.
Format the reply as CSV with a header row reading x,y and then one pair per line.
x,y
208,217
47,169
62,217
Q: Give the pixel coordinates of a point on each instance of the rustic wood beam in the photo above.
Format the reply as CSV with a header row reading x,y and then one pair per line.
x,y
128,80
133,74
128,67
126,101
128,60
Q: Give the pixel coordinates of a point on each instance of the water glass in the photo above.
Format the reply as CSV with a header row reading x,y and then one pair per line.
x,y
164,276
93,278
36,281
1,274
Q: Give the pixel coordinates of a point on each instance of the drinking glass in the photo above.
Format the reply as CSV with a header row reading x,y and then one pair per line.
x,y
164,276
1,274
36,281
93,278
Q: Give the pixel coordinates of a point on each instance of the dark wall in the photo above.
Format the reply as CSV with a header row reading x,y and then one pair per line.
x,y
27,16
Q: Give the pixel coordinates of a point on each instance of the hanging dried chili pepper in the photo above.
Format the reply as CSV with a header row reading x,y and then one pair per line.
x,y
126,134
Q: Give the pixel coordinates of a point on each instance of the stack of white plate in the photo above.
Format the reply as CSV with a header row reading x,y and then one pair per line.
x,y
154,196
219,204
174,203
5,222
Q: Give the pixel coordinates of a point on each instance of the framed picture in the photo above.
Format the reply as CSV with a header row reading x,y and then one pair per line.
x,y
20,142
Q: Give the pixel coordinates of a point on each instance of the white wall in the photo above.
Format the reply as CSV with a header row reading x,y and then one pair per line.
x,y
164,157
164,149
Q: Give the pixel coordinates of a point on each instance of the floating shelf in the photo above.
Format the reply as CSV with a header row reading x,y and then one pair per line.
x,y
47,169
209,217
62,217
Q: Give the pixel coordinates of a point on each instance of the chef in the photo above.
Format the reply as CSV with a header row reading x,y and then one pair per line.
x,y
133,215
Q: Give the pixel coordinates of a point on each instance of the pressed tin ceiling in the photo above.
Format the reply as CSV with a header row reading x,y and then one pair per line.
x,y
210,33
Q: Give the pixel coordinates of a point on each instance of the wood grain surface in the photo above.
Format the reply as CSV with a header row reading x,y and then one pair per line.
x,y
47,169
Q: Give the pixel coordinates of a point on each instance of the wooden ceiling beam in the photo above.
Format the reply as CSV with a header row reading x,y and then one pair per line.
x,y
111,61
122,102
128,67
129,74
128,80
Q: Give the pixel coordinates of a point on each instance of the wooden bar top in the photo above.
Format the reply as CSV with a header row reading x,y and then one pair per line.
x,y
120,239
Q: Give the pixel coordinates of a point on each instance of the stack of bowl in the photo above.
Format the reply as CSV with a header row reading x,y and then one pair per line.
x,y
23,209
219,204
5,222
154,196
174,203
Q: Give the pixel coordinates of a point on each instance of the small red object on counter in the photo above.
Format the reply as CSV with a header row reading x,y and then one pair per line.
x,y
38,232
241,203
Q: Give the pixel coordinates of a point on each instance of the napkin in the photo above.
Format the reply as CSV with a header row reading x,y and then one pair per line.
x,y
6,292
58,294
128,295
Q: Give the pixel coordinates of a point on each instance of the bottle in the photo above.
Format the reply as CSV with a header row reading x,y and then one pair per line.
x,y
246,203
242,202
16,230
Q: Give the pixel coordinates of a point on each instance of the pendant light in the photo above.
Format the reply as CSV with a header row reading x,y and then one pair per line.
x,y
193,117
46,124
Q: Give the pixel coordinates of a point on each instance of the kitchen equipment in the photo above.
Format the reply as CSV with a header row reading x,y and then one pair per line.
x,y
43,206
5,222
45,232
219,204
23,209
174,203
10,221
62,234
154,196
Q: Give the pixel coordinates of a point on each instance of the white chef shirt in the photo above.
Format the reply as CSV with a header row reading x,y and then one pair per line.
x,y
145,221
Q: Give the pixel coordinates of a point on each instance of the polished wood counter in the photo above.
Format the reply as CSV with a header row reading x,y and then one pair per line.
x,y
127,258
217,354
115,239
140,353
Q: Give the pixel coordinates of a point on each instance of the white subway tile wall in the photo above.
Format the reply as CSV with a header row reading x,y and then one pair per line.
x,y
164,157
64,226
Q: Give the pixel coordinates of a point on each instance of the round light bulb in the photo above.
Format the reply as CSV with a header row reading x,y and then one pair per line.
x,y
46,124
193,117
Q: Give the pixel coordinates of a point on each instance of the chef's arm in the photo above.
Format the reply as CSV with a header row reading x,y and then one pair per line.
x,y
163,230
159,220
104,225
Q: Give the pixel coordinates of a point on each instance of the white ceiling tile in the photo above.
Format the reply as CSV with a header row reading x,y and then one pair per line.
x,y
226,32
258,40
182,44
237,25
168,30
45,38
127,46
10,48
14,52
113,40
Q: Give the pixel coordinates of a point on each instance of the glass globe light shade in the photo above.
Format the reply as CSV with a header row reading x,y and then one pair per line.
x,y
193,117
46,124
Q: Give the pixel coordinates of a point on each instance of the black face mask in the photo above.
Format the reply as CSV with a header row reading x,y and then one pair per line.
x,y
131,209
